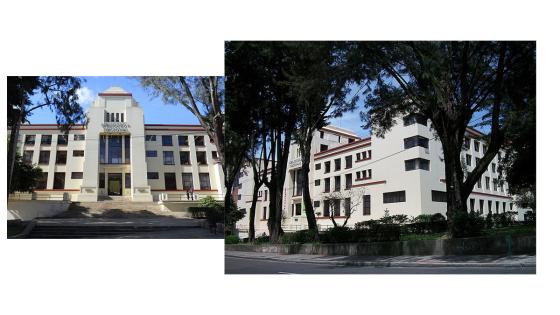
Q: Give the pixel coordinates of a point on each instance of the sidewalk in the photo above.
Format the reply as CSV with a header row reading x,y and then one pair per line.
x,y
397,261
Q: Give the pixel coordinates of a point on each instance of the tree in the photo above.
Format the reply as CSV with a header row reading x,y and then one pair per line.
x,y
204,98
447,82
27,94
350,199
25,176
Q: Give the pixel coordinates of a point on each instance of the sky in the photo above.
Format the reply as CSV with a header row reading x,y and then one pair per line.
x,y
155,112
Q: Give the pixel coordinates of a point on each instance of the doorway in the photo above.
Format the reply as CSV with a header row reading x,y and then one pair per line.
x,y
115,184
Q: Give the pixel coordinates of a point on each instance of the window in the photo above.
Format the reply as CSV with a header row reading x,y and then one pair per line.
x,y
327,185
493,167
348,161
183,140
498,207
44,157
495,184
199,141
107,117
115,150
102,140
479,183
112,117
46,139
318,166
30,140
265,195
298,183
476,145
504,206
327,167
215,155
59,180
350,140
153,175
168,158
323,147
317,182
78,153
166,141
27,157
472,204
415,164
151,153
416,141
395,196
316,204
347,206
489,205
127,149
298,208
415,119
264,213
201,157
102,180
185,157
469,159
439,196
42,181
487,183
326,210
62,140
467,144
337,165
348,181
188,181
481,205
204,181
336,207
366,204
77,175
511,206
337,183
170,182
150,137
321,135
126,180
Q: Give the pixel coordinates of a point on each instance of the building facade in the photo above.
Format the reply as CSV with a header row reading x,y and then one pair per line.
x,y
116,154
401,173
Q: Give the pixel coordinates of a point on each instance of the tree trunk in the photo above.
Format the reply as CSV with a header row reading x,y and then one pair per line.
x,y
307,202
14,135
456,202
252,211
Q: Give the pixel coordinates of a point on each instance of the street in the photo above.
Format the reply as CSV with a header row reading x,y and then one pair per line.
x,y
236,265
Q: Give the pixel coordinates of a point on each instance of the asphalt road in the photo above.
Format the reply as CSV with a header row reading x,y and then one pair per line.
x,y
234,265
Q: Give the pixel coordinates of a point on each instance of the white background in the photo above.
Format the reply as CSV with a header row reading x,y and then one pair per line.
x,y
186,276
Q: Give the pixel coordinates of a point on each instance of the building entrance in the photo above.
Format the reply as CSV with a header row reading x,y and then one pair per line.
x,y
115,184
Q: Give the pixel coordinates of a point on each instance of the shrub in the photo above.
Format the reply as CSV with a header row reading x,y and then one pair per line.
x,y
198,212
262,239
299,237
422,218
232,239
437,217
367,231
489,222
467,224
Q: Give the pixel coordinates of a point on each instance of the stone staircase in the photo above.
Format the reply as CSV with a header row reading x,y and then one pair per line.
x,y
119,208
61,231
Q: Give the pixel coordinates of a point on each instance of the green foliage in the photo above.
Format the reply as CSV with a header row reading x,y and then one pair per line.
x,y
467,224
232,239
299,237
367,232
422,218
262,239
208,202
25,177
489,222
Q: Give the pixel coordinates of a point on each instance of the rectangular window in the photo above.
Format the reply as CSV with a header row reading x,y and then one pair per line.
x,y
504,206
166,141
467,144
495,184
415,119
264,213
151,153
366,204
44,157
42,182
102,140
337,183
78,153
205,181
46,139
321,134
115,150
127,149
476,145
27,157
415,164
199,141
479,183
487,183
323,147
327,185
347,206
337,165
318,166
336,207
317,182
59,180
183,140
79,137
298,208
348,181
489,205
439,196
126,180
498,207
395,196
188,181
327,167
416,141
481,205
348,161
153,175
316,204
151,138
62,140
215,155
77,175
201,158
185,157
170,182
101,180
168,158
472,204
493,167
468,159
326,208
30,140
265,195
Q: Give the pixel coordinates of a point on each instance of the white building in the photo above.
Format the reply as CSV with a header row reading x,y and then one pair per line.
x,y
402,173
116,154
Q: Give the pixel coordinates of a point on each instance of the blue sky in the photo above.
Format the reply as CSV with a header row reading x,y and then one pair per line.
x,y
155,112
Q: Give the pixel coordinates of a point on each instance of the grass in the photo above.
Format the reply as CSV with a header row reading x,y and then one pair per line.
x,y
512,230
418,237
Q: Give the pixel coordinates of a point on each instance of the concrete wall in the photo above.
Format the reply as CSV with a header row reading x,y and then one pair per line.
x,y
30,209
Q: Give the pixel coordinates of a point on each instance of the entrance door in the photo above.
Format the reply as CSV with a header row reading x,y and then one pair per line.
x,y
115,184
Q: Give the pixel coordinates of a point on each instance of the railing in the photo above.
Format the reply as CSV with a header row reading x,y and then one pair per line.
x,y
36,196
181,197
